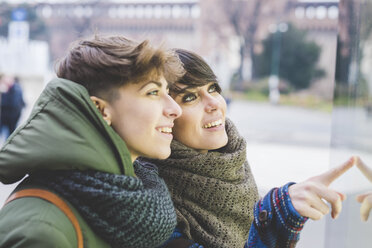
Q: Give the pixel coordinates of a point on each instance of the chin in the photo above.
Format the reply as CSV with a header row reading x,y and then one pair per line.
x,y
161,154
219,144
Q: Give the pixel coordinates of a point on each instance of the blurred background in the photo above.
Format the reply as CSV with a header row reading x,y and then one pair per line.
x,y
296,74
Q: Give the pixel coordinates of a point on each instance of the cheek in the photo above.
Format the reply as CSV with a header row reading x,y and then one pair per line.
x,y
223,104
179,129
122,125
184,125
131,119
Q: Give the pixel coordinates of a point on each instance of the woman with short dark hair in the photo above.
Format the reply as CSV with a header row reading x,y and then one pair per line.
x,y
109,105
210,180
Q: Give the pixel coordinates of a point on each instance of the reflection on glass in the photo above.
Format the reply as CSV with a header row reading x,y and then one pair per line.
x,y
352,119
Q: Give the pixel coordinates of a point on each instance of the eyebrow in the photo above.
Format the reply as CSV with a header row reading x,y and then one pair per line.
x,y
151,82
187,90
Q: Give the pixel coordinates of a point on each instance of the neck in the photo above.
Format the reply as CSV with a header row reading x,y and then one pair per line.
x,y
133,157
203,151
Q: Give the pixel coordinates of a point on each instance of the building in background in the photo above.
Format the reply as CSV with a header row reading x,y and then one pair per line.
x,y
204,26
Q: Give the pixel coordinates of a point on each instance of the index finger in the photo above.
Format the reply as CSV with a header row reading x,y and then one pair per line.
x,y
328,177
367,172
365,208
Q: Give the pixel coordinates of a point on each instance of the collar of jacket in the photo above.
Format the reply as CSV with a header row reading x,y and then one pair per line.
x,y
64,131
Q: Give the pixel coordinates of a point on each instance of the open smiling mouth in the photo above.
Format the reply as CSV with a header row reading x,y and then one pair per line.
x,y
213,124
166,130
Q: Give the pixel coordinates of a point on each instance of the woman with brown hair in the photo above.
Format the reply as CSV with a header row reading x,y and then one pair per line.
x,y
109,105
210,180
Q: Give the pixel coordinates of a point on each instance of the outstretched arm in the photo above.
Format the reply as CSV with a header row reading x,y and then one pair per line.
x,y
276,222
280,216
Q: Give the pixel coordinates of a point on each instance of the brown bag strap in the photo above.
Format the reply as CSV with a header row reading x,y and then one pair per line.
x,y
56,200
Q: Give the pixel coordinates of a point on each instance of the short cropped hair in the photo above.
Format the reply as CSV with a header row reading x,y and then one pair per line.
x,y
104,63
198,72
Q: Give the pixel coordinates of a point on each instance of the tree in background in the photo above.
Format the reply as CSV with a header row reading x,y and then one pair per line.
x,y
242,16
349,24
298,58
354,37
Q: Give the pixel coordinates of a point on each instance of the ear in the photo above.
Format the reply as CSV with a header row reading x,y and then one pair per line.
x,y
104,108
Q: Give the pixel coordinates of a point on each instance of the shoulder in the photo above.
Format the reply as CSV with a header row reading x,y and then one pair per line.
x,y
33,222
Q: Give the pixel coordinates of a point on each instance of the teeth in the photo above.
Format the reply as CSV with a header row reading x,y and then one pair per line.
x,y
165,130
213,124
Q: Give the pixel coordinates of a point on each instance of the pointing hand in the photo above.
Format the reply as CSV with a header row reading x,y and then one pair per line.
x,y
367,172
366,198
307,196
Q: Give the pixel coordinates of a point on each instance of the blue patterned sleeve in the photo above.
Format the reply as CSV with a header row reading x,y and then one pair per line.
x,y
276,222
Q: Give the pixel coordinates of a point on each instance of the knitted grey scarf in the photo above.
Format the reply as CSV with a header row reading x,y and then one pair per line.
x,y
124,211
214,193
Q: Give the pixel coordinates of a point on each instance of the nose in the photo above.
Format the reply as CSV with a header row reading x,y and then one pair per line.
x,y
211,103
172,109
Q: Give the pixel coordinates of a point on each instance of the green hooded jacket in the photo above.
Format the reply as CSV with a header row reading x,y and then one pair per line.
x,y
64,131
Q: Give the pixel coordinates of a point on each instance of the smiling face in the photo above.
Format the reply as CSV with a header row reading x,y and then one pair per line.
x,y
202,123
143,116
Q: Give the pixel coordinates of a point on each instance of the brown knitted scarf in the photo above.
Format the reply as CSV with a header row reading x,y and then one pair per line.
x,y
213,193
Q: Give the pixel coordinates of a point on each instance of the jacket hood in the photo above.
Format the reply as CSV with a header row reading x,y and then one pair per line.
x,y
64,131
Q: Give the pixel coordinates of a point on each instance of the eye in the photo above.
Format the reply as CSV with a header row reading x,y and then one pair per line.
x,y
153,93
214,88
189,97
